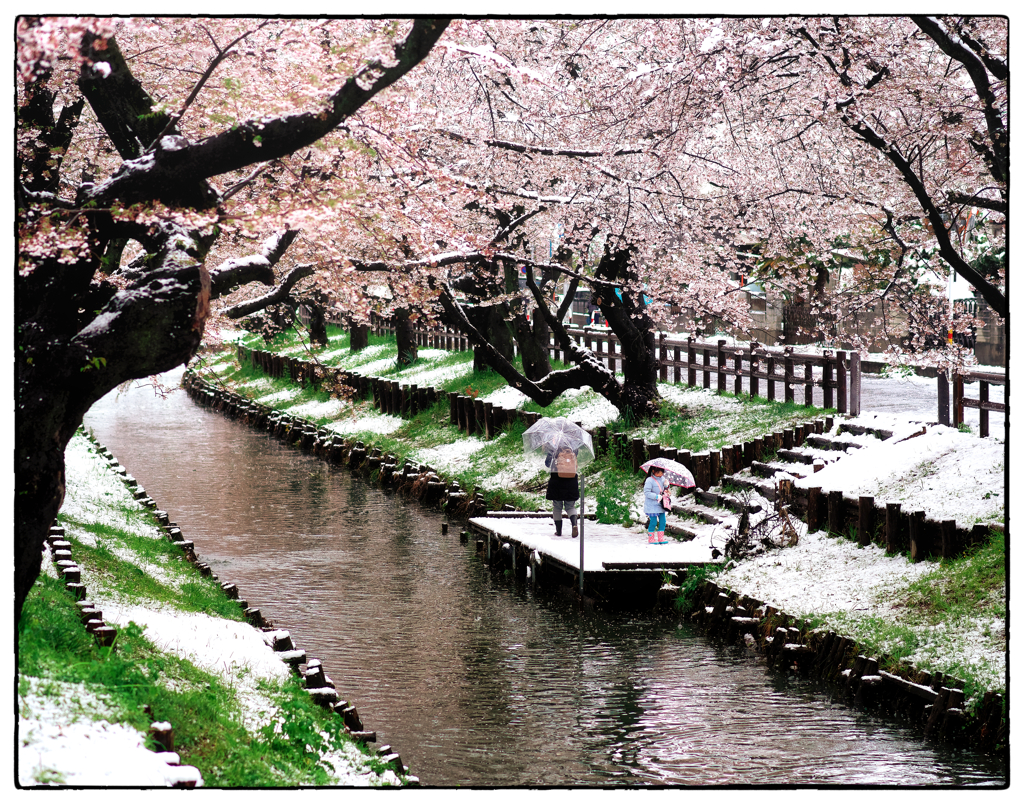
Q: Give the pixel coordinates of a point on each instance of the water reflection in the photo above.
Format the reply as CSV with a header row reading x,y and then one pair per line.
x,y
474,679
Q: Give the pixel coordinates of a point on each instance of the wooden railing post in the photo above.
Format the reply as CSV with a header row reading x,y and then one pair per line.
x,y
662,360
841,382
790,375
943,393
691,362
813,509
771,381
808,384
676,360
855,384
892,526
721,367
835,513
958,399
754,366
865,520
827,380
982,411
918,542
737,384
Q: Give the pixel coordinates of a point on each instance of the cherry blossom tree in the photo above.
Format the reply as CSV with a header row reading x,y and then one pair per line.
x,y
593,130
148,164
880,140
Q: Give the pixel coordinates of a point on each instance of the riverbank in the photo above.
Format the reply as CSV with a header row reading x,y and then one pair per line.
x,y
184,666
944,617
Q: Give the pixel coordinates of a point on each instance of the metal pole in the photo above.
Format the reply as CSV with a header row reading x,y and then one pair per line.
x,y
583,486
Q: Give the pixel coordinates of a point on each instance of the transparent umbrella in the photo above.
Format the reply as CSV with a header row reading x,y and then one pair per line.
x,y
547,438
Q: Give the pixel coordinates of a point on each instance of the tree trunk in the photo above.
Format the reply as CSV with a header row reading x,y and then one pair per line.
x,y
317,324
407,351
60,374
639,361
359,337
533,338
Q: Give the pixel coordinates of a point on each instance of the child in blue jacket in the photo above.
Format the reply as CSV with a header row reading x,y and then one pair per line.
x,y
656,503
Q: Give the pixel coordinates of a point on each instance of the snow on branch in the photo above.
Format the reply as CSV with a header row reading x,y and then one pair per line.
x,y
254,268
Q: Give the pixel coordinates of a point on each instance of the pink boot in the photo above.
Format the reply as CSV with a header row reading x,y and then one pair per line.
x,y
652,537
661,538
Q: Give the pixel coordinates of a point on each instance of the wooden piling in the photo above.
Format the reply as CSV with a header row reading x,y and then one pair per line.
x,y
638,454
892,527
814,499
918,541
836,526
865,520
947,530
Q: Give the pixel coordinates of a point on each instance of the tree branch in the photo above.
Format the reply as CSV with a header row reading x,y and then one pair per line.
x,y
265,139
947,250
953,47
277,295
254,268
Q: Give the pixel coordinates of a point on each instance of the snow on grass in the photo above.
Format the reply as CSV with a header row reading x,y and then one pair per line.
x,y
507,397
450,457
256,385
822,574
699,398
347,359
233,650
424,376
381,423
211,643
374,366
98,491
946,473
280,396
975,642
318,410
592,412
60,742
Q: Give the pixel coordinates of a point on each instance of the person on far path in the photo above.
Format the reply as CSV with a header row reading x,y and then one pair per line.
x,y
563,488
656,505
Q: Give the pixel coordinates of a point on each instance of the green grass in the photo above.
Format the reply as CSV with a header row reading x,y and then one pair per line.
x,y
928,612
974,584
139,684
136,683
613,492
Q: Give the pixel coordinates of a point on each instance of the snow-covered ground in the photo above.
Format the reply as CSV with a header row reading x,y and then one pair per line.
x,y
63,738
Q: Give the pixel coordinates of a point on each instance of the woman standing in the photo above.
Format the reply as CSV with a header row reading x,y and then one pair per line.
x,y
563,488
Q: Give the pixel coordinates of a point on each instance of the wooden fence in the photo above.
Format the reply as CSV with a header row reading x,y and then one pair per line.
x,y
884,524
960,401
836,373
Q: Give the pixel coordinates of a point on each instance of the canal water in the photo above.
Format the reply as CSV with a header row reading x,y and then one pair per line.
x,y
475,679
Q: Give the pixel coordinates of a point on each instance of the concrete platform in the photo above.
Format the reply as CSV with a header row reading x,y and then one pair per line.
x,y
607,548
